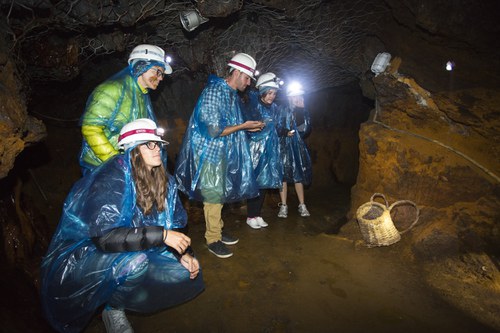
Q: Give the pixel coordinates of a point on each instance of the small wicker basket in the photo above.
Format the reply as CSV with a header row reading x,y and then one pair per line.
x,y
376,224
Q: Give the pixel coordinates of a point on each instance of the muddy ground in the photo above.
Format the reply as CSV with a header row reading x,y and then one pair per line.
x,y
295,277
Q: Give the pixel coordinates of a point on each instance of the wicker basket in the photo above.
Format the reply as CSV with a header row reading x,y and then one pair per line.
x,y
376,224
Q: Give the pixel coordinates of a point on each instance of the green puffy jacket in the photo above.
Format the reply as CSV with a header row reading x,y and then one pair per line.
x,y
112,104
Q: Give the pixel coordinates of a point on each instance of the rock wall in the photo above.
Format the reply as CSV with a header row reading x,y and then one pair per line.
x,y
17,128
440,151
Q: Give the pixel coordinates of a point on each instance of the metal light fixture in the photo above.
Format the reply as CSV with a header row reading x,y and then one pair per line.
x,y
191,19
380,63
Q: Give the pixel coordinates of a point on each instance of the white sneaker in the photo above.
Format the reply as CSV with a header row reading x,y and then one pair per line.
x,y
303,210
116,321
253,223
283,210
261,222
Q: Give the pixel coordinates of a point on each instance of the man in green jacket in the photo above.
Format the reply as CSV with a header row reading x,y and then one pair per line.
x,y
119,100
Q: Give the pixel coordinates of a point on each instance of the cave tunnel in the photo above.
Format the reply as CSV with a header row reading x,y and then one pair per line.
x,y
422,133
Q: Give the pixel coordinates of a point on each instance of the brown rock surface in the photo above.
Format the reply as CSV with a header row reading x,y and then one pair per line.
x,y
17,128
440,151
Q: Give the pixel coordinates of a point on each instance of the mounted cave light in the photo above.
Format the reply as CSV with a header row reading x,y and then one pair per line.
x,y
450,65
380,63
191,19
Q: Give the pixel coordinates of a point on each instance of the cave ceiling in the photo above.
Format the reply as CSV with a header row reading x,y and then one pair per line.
x,y
324,43
319,41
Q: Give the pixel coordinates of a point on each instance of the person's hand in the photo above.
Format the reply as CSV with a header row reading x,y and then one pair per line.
x,y
191,264
291,133
253,125
176,240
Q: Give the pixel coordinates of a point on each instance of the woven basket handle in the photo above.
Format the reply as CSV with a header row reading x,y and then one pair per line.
x,y
400,202
380,195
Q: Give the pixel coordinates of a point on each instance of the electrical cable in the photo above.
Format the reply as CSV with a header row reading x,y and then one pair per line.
x,y
484,169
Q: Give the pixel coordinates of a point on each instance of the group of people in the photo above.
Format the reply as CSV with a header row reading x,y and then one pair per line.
x,y
235,150
121,243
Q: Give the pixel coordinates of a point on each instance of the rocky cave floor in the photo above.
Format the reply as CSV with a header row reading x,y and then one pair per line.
x,y
298,275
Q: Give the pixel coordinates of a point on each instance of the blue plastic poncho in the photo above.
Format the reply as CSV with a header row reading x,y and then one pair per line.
x,y
77,278
264,145
114,103
213,168
297,166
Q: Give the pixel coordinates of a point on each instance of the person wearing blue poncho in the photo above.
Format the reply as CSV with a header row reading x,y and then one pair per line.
x,y
294,126
264,145
117,246
214,164
119,100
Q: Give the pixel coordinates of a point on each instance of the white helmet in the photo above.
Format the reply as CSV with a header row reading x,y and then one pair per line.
x,y
150,52
268,80
294,89
244,63
140,130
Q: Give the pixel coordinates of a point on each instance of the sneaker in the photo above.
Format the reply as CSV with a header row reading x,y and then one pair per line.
x,y
283,210
253,223
116,321
261,222
303,210
229,239
219,249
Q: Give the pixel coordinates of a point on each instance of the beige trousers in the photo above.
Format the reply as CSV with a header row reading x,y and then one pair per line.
x,y
213,221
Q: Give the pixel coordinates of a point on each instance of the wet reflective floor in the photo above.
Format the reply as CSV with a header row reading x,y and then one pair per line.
x,y
297,276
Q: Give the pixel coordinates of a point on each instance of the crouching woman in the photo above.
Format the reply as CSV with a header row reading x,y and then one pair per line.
x,y
116,247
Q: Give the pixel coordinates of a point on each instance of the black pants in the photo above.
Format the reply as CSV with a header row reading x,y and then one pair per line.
x,y
254,205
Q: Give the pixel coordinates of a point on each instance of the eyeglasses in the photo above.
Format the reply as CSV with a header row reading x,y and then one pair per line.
x,y
153,144
159,73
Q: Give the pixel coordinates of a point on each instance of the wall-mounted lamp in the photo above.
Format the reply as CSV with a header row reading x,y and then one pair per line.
x,y
191,19
380,63
450,65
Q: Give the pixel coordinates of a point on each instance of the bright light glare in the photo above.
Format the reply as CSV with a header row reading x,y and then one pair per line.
x,y
450,65
168,59
256,73
295,86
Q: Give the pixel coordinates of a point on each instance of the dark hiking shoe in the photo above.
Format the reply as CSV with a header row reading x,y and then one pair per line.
x,y
229,239
219,249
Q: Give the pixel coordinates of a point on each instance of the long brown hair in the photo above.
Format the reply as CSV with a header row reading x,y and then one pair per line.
x,y
151,186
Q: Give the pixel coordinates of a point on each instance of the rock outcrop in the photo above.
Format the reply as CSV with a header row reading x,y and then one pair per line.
x,y
440,151
17,128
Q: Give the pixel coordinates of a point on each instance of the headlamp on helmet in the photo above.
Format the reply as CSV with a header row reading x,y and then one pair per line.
x,y
275,80
160,131
294,89
151,53
269,80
